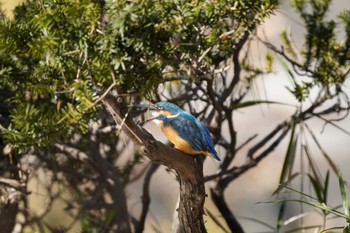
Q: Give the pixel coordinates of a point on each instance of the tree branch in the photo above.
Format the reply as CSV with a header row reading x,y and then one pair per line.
x,y
188,168
219,200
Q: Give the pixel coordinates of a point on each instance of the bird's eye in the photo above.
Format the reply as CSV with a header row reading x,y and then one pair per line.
x,y
161,108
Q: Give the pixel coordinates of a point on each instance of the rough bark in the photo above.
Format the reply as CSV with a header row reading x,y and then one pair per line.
x,y
8,216
11,191
188,168
192,196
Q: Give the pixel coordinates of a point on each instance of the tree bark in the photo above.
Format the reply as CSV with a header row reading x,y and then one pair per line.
x,y
8,215
14,190
192,196
188,168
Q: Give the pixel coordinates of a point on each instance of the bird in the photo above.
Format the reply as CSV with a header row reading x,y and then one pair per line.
x,y
183,130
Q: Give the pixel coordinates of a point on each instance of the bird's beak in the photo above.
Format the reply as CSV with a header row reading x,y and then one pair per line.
x,y
155,114
147,107
154,107
139,106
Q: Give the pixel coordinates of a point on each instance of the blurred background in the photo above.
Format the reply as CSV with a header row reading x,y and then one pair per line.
x,y
258,184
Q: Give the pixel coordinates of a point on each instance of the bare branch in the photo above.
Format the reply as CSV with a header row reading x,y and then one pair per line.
x,y
146,200
12,183
188,168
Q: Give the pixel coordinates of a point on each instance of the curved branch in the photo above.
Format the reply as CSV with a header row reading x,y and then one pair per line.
x,y
220,202
188,168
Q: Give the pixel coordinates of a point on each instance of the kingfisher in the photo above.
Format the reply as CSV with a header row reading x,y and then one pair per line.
x,y
183,130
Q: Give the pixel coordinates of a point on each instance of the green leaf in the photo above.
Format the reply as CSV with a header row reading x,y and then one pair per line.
x,y
327,157
289,158
346,229
285,184
317,188
325,189
300,89
302,193
269,62
257,102
287,44
280,218
314,169
343,193
330,229
320,206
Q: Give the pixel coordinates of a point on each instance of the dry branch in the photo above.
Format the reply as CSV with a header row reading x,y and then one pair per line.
x,y
188,169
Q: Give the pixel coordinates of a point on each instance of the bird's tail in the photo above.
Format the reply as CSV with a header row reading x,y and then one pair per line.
x,y
213,154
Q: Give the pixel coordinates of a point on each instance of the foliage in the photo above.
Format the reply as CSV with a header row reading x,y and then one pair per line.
x,y
63,52
323,65
319,203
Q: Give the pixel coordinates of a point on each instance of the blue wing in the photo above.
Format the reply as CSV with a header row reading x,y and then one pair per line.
x,y
193,131
208,140
186,127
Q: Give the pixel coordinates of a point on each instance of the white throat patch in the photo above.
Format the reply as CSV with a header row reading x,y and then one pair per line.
x,y
156,114
173,116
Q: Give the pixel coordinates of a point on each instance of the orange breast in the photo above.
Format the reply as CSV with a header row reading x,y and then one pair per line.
x,y
178,141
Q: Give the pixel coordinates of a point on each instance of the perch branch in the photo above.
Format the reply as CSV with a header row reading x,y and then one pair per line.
x,y
189,169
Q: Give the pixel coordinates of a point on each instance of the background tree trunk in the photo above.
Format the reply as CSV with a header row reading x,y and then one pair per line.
x,y
8,217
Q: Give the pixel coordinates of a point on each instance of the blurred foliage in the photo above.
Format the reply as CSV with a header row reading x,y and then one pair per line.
x,y
322,64
326,55
55,55
319,204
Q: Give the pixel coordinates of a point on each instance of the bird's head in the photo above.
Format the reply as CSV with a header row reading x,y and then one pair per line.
x,y
166,109
161,110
